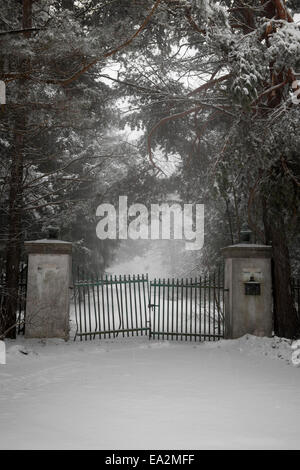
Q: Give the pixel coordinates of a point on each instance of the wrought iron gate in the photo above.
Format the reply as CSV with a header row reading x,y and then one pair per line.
x,y
182,309
188,309
20,296
109,306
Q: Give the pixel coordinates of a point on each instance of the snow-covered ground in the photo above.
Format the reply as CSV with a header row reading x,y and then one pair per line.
x,y
141,394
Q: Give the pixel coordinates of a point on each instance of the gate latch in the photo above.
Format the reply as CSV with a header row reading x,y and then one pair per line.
x,y
153,306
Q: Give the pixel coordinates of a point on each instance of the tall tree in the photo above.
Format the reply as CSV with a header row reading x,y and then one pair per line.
x,y
15,188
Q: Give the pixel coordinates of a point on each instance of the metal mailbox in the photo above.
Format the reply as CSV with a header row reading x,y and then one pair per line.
x,y
252,282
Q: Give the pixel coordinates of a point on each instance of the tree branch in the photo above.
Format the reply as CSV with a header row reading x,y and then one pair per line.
x,y
19,31
209,84
110,53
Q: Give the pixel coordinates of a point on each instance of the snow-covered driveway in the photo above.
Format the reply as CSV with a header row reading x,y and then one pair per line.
x,y
149,395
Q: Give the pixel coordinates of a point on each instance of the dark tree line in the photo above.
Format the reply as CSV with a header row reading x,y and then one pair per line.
x,y
208,82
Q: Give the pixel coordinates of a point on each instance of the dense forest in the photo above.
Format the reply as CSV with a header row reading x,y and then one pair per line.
x,y
150,98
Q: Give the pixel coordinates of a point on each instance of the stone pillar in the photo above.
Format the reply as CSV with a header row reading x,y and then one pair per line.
x,y
249,300
49,278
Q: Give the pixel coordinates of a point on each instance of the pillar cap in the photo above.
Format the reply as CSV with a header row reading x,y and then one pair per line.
x,y
245,250
46,246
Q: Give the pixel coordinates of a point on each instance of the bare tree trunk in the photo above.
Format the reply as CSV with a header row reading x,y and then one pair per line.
x,y
13,250
286,321
14,238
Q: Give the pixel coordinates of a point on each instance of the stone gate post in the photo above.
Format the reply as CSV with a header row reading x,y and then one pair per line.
x,y
49,277
249,302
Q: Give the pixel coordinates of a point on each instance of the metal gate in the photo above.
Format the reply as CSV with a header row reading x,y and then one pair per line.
x,y
188,309
109,306
172,309
20,296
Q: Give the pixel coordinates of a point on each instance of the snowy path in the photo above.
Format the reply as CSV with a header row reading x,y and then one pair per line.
x,y
147,395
